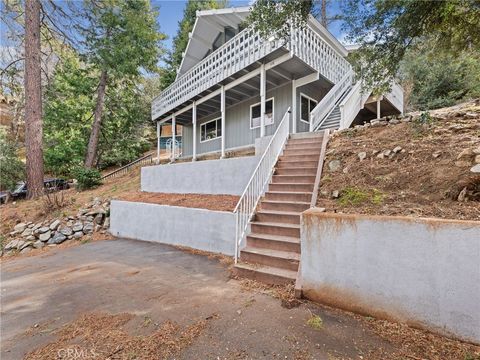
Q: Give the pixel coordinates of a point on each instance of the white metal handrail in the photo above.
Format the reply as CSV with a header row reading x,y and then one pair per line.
x,y
244,49
259,180
320,113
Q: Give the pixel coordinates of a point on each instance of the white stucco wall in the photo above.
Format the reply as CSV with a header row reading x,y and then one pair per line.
x,y
224,176
201,229
422,271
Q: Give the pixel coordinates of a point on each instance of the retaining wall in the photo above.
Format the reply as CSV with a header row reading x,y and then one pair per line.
x,y
201,229
425,272
224,176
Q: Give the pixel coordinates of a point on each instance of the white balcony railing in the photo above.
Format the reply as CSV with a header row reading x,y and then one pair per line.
x,y
246,48
258,182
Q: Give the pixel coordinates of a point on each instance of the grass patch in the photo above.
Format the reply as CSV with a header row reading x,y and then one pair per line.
x,y
315,322
356,196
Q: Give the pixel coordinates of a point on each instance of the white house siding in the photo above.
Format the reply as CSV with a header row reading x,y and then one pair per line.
x,y
238,132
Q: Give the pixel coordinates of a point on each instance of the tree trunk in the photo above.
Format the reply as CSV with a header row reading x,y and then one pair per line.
x,y
33,100
323,15
97,122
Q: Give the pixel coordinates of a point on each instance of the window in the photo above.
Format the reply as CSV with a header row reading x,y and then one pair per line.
x,y
255,114
211,130
307,104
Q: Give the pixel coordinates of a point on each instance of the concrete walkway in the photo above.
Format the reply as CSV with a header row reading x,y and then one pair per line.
x,y
41,293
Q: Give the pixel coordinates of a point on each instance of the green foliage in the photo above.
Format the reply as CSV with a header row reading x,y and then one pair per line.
x,y
87,178
437,78
356,196
180,41
387,29
12,169
275,17
315,322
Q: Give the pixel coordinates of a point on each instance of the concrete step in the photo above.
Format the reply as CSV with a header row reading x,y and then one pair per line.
x,y
288,196
289,206
301,152
289,187
274,228
293,179
287,164
304,145
287,217
306,135
275,258
296,171
266,274
315,141
275,242
308,157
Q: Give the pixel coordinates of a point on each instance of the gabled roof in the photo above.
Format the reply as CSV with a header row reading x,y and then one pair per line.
x,y
208,25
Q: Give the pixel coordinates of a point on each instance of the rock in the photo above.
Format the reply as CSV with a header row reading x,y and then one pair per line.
x,y
38,244
27,232
397,149
362,155
465,154
89,218
65,230
43,229
26,244
37,226
20,227
78,226
54,224
57,238
463,193
70,237
394,122
95,211
334,165
387,152
477,159
436,154
475,169
106,223
20,244
98,219
381,155
12,244
78,235
30,238
476,151
462,163
30,225
320,209
69,223
25,250
45,236
88,228
335,194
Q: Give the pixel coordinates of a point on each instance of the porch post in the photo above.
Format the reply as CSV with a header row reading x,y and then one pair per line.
x,y
174,125
263,82
294,106
158,142
194,121
222,108
378,108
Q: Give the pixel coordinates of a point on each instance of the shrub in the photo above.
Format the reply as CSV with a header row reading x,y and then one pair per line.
x,y
12,169
355,196
87,178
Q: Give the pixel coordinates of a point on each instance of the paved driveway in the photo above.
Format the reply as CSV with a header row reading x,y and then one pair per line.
x,y
157,283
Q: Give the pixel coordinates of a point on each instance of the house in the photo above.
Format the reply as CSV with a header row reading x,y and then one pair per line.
x,y
234,87
235,90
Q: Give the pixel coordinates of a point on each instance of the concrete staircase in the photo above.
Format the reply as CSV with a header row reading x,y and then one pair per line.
x,y
272,251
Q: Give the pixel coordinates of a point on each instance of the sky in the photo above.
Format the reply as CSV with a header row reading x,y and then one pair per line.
x,y
171,12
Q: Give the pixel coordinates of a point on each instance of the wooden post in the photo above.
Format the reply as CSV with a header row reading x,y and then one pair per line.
x,y
222,108
263,82
158,142
194,122
294,106
174,125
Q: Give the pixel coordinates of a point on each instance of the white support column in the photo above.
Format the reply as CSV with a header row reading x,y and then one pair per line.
x,y
263,88
294,106
378,108
158,142
194,121
174,125
222,109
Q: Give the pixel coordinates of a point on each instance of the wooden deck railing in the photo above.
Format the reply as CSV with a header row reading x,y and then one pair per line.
x,y
145,160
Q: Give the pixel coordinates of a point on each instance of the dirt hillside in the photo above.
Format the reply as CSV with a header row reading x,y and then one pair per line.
x,y
423,165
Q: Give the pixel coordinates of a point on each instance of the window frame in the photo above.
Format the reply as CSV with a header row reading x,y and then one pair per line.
x,y
310,110
216,130
260,103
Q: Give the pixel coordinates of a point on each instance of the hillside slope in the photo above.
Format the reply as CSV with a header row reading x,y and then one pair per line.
x,y
422,165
